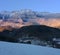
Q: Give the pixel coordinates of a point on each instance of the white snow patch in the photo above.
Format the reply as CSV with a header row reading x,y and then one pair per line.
x,y
26,49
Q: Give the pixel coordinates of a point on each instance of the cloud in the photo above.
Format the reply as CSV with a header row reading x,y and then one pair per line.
x,y
53,22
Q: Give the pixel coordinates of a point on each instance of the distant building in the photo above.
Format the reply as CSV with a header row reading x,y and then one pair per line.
x,y
56,42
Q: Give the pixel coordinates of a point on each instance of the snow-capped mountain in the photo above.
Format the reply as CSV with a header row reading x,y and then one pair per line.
x,y
27,17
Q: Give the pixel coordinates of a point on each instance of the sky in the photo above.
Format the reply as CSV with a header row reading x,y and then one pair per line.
x,y
35,5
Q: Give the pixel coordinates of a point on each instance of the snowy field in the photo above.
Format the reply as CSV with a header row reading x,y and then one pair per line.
x,y
26,49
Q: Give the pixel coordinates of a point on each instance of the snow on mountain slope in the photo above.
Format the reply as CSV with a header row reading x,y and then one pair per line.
x,y
25,49
27,17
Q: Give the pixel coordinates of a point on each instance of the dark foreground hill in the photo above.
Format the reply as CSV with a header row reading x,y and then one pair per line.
x,y
40,32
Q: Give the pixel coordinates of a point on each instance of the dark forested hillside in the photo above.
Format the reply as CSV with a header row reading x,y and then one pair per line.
x,y
40,32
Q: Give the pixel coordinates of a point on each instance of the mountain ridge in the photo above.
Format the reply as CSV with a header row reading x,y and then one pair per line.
x,y
39,32
27,17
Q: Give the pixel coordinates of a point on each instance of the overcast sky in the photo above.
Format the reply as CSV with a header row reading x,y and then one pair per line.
x,y
36,5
